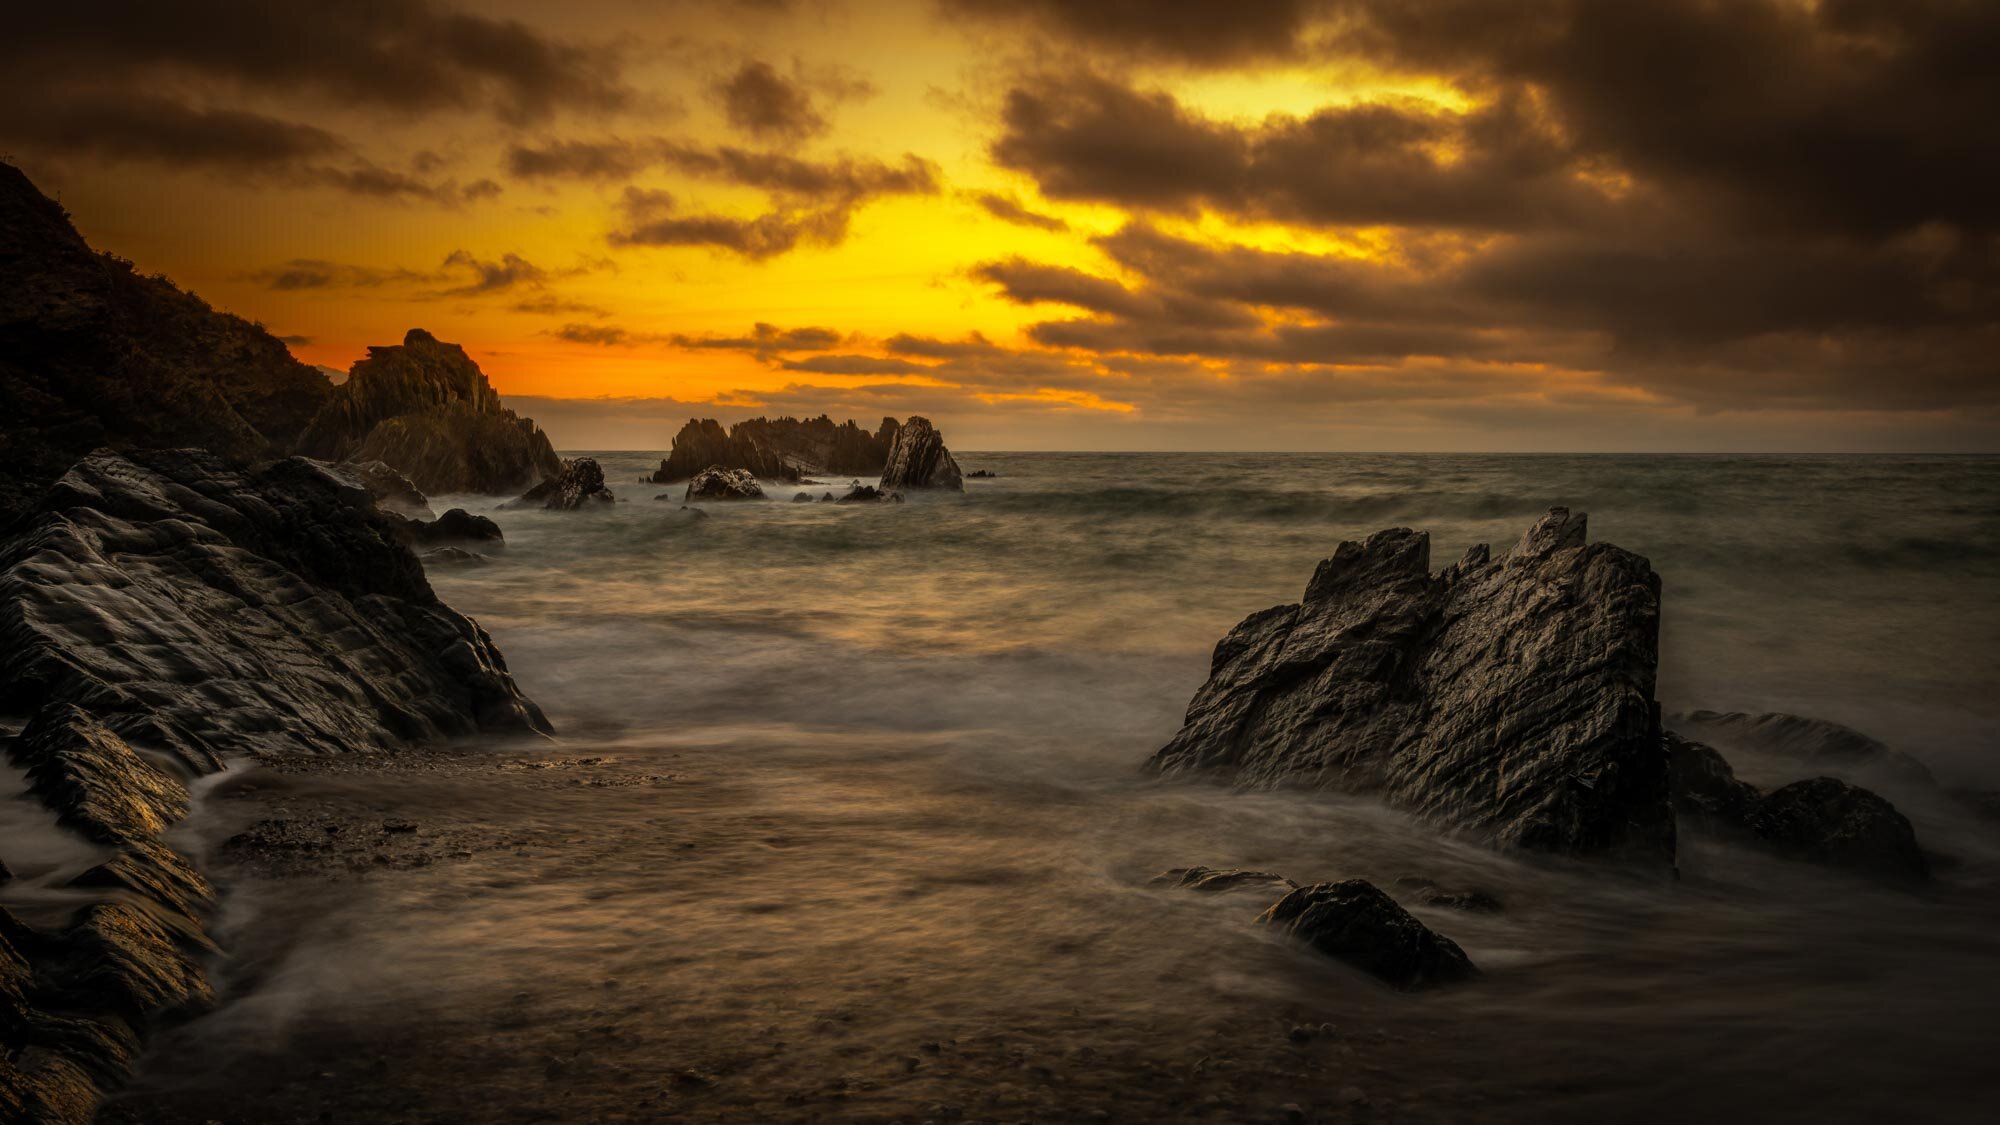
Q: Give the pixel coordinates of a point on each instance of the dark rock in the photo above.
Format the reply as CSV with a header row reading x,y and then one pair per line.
x,y
1511,697
802,498
454,527
1825,820
918,459
425,408
1355,922
391,490
1703,786
580,484
453,556
94,353
1816,744
785,449
826,498
1430,894
858,493
718,483
1213,880
180,600
981,474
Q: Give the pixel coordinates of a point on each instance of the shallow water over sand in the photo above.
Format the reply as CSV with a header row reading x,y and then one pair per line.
x,y
845,821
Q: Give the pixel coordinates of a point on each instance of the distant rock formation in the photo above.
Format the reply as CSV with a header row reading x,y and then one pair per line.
x,y
858,493
580,484
426,409
783,449
1357,923
163,601
1819,820
918,459
1509,697
92,353
718,483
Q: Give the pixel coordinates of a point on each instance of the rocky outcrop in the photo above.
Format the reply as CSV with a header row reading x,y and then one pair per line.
x,y
158,610
1355,922
858,493
426,409
454,527
186,603
718,483
1215,880
1816,744
1820,820
918,459
1509,697
784,449
94,353
392,491
579,485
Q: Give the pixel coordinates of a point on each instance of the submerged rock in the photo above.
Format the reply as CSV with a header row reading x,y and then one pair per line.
x,y
1430,894
1213,880
453,556
1357,923
1511,697
918,459
802,497
580,484
1703,786
858,493
718,483
269,612
1817,744
425,408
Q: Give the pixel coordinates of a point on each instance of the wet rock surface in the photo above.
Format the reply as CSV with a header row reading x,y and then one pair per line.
x,y
1214,880
1356,923
579,485
1816,744
919,459
784,449
858,493
392,491
426,409
1510,697
718,483
454,527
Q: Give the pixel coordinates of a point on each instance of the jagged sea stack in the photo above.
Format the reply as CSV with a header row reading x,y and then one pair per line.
x,y
1510,697
918,459
426,409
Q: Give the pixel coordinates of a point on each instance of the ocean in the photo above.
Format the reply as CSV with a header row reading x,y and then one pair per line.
x,y
846,820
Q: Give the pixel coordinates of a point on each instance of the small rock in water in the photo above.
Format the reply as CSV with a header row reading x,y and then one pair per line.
x,y
718,483
1355,922
1214,880
802,498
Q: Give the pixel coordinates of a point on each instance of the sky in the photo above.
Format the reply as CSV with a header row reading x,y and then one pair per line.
x,y
1759,225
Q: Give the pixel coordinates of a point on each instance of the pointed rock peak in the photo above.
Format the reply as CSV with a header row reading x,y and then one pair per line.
x,y
1384,557
1557,531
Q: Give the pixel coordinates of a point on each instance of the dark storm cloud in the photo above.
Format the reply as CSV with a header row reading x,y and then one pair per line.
x,y
402,54
610,159
157,128
1202,32
1090,138
1009,209
766,340
768,106
812,202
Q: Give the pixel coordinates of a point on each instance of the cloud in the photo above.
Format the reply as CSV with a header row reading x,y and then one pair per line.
x,y
855,365
1197,32
759,101
608,159
602,335
462,274
1009,209
812,201
766,340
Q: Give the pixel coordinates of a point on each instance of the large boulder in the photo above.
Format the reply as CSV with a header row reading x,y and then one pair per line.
x,y
718,483
918,459
1826,820
785,449
426,409
1355,922
94,353
1509,697
270,612
579,485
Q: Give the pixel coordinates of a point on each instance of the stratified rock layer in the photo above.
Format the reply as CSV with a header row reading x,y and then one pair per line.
x,y
918,459
182,601
1357,923
426,409
785,449
1510,697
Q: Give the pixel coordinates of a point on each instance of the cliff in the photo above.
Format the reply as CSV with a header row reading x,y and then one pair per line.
x,y
92,353
424,408
785,449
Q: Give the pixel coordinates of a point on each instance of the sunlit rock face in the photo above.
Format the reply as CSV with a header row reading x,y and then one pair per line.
x,y
269,612
918,459
424,408
784,449
1511,698
579,485
94,353
718,483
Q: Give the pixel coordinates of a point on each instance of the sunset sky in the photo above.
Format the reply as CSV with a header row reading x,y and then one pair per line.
x,y
1360,224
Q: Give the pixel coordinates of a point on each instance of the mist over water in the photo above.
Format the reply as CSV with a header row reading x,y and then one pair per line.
x,y
845,820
